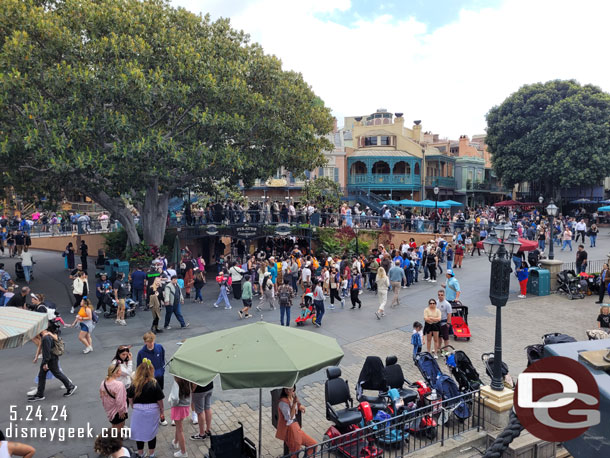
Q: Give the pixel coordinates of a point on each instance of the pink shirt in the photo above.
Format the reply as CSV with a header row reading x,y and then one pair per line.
x,y
119,403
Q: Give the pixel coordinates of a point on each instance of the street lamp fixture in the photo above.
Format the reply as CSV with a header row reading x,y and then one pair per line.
x,y
540,199
356,230
436,191
501,243
551,210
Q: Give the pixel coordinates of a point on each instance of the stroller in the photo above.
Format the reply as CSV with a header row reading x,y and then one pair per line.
x,y
459,321
569,284
448,389
130,306
308,311
536,352
428,367
597,334
19,273
462,370
488,360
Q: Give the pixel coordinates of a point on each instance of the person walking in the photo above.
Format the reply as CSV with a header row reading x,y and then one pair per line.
x,y
246,298
604,281
383,282
581,230
581,259
154,302
592,233
80,288
84,254
138,285
145,396
334,285
567,238
431,261
27,262
114,397
285,294
198,283
180,401
459,254
222,294
51,350
121,291
173,299
236,273
102,287
522,276
268,292
87,323
202,405
318,301
451,287
355,286
396,276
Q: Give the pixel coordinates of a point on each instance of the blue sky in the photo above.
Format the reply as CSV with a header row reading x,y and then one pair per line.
x,y
433,13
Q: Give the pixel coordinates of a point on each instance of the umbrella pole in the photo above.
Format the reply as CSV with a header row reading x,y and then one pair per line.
x,y
260,421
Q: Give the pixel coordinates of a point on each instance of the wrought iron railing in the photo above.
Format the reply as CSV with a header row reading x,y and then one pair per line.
x,y
446,182
403,434
592,267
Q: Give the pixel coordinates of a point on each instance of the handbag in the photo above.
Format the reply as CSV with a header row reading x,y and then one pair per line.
x,y
174,396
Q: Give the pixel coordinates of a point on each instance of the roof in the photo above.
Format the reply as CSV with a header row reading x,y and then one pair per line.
x,y
380,152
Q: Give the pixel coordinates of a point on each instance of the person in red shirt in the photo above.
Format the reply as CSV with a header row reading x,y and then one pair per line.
x,y
459,255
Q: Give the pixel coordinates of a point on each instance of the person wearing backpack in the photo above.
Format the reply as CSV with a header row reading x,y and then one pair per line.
x,y
285,294
52,349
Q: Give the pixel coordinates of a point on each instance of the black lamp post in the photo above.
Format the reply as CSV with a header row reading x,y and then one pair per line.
x,y
551,210
436,191
356,229
499,245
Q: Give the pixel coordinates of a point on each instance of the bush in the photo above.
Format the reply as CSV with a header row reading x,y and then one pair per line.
x,y
142,254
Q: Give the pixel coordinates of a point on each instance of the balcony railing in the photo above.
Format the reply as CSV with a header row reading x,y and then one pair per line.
x,y
483,187
445,182
382,178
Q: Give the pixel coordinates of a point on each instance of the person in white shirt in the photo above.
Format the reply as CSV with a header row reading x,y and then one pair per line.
x,y
581,229
27,262
305,275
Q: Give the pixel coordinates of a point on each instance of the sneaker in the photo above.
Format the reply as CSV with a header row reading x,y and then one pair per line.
x,y
123,323
71,391
179,454
317,324
259,308
342,303
215,306
167,327
174,443
35,398
272,307
332,307
186,325
382,314
378,315
435,355
241,314
32,391
163,422
404,287
432,281
248,316
198,437
194,419
228,308
87,350
72,310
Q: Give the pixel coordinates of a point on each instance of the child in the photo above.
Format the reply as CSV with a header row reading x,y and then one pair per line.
x,y
522,276
355,287
416,338
603,319
343,288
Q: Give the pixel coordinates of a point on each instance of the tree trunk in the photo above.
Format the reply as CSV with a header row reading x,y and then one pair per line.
x,y
153,215
118,209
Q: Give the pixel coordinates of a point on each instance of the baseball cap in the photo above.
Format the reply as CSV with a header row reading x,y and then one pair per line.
x,y
450,272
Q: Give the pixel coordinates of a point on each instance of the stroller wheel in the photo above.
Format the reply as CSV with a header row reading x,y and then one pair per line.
x,y
467,338
106,314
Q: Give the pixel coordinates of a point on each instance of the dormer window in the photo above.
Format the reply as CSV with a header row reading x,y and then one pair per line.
x,y
370,141
386,140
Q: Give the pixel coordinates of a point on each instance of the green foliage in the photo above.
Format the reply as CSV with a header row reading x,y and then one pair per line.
x,y
117,247
135,99
557,132
322,192
142,254
339,241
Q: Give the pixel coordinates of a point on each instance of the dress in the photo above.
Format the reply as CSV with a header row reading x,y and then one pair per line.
x,y
289,430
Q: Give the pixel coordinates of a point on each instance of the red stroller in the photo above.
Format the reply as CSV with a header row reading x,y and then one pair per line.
x,y
308,311
459,321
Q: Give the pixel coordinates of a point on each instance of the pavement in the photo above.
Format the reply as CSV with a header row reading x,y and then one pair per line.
x,y
358,332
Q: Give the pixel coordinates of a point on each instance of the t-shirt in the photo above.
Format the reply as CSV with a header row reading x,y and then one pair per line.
x,y
151,393
18,300
445,307
137,279
429,313
203,389
452,289
121,287
604,320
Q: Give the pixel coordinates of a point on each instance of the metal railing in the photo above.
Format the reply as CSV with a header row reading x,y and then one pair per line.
x,y
403,434
447,182
67,228
383,178
591,268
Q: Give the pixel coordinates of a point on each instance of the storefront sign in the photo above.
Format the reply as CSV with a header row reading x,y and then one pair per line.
x,y
245,232
283,229
212,229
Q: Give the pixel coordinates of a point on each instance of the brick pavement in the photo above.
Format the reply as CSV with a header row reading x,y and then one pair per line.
x,y
524,322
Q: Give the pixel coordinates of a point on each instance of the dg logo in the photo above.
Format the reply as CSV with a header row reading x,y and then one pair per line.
x,y
557,399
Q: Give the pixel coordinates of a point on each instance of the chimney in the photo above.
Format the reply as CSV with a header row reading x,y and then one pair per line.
x,y
417,136
463,144
398,119
335,125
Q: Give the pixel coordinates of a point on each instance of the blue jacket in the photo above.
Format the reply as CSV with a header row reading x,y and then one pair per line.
x,y
396,274
522,274
156,356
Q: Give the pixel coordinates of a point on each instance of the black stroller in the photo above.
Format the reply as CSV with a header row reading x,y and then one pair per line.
x,y
569,284
536,352
488,360
462,370
19,273
130,306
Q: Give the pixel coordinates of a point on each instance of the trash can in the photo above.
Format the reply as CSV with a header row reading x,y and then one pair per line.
x,y
533,281
121,266
539,283
109,266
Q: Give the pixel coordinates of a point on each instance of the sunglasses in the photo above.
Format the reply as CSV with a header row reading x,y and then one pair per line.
x,y
431,303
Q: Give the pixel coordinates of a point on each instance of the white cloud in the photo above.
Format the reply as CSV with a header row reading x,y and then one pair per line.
x,y
449,77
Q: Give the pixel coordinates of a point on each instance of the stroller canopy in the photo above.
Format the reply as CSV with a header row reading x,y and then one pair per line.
x,y
372,376
428,367
448,389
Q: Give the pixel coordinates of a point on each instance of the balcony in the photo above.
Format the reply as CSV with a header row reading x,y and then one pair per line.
x,y
483,187
444,182
382,179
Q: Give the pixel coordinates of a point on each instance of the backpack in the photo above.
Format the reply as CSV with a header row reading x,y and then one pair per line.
x,y
284,297
58,347
94,316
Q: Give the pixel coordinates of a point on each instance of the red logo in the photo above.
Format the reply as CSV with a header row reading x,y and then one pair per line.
x,y
557,399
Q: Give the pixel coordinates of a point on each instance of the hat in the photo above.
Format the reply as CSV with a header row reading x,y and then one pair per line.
x,y
450,272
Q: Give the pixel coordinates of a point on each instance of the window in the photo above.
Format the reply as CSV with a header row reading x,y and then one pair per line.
x,y
370,141
416,169
381,167
386,140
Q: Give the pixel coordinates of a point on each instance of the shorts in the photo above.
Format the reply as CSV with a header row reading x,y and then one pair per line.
x,y
180,412
84,327
116,420
431,327
445,330
121,303
247,302
202,401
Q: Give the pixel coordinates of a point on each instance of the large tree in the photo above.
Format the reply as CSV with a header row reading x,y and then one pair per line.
x,y
127,101
556,133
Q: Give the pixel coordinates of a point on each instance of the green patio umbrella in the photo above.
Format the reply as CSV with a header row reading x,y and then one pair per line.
x,y
258,355
176,252
18,326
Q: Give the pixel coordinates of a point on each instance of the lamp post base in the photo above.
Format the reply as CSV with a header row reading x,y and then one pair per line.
x,y
498,405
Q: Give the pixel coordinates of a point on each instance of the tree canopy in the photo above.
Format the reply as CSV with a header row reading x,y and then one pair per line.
x,y
556,132
323,192
127,101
